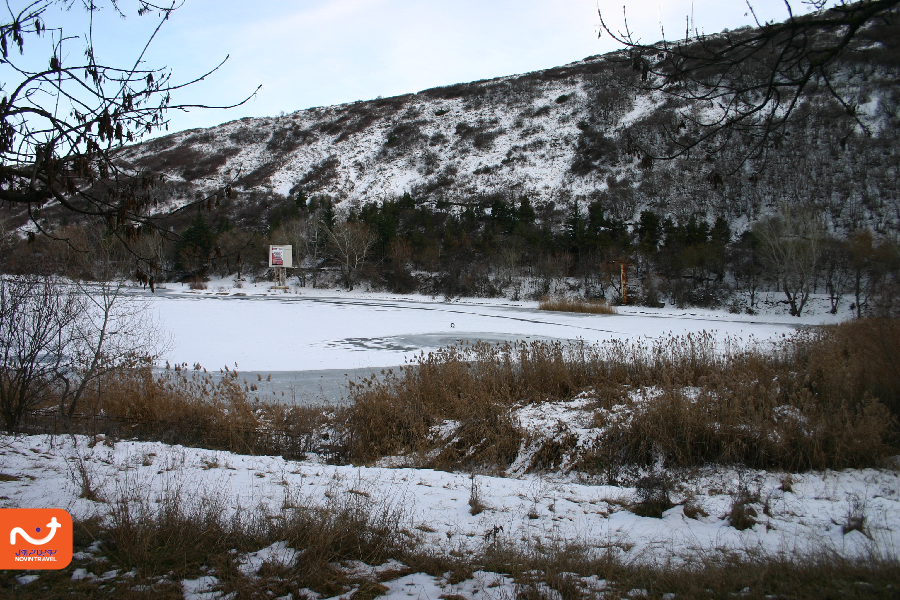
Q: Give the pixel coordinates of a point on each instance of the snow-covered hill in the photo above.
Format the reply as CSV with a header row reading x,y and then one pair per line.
x,y
485,137
561,135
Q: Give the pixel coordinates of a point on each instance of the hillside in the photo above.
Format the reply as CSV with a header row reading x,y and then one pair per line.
x,y
556,136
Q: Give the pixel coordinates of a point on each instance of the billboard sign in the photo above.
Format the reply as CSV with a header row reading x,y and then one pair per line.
x,y
281,256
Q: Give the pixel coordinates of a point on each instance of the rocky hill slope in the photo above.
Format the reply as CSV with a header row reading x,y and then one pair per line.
x,y
558,137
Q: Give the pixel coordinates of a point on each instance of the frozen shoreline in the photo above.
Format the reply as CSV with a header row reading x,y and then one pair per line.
x,y
313,330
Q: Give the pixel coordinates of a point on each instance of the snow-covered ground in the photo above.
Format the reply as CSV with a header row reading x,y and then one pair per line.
x,y
805,513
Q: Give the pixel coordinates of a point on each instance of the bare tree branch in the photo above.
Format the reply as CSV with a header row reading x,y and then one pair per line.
x,y
750,82
61,127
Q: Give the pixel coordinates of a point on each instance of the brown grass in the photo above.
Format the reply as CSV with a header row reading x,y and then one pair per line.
x,y
158,537
178,539
805,404
855,360
576,305
192,408
719,575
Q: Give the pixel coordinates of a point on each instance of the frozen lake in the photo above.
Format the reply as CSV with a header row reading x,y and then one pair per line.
x,y
311,342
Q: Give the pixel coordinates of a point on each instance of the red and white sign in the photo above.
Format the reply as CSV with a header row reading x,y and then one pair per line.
x,y
280,256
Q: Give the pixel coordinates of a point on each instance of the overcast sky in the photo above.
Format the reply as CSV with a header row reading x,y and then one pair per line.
x,y
308,53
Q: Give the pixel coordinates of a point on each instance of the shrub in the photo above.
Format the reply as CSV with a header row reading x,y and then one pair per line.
x,y
320,174
210,164
742,515
287,139
652,493
248,135
405,134
259,175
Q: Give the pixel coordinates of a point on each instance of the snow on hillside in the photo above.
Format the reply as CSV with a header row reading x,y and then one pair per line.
x,y
560,135
477,139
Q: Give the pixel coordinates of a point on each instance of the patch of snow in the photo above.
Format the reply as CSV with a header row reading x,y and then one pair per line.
x,y
203,588
277,554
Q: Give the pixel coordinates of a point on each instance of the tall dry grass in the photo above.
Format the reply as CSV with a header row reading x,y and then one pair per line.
x,y
183,535
193,408
147,546
542,573
807,403
576,305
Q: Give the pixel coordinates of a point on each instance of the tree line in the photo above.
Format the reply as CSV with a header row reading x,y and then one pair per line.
x,y
507,246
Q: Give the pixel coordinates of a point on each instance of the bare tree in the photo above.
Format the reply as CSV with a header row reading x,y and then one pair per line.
x,y
58,340
836,270
235,244
753,80
113,329
62,124
296,232
309,235
36,317
352,242
791,244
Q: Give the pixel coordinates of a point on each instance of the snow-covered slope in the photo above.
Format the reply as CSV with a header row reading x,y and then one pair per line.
x,y
464,139
808,516
561,135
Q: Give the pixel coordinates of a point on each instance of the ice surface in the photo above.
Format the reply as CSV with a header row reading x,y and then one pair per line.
x,y
327,329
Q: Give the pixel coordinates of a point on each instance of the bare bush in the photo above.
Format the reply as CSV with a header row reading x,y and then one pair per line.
x,y
36,335
58,340
653,495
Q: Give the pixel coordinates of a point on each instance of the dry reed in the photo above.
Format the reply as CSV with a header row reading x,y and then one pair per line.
x,y
193,408
824,398
576,305
803,404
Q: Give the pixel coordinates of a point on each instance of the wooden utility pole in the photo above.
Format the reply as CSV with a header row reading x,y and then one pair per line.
x,y
623,270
